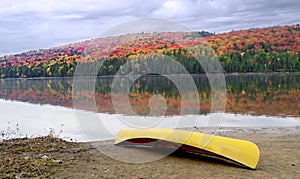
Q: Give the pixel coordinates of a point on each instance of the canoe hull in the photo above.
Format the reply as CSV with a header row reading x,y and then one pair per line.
x,y
243,152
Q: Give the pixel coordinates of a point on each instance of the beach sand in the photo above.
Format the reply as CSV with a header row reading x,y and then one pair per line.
x,y
54,158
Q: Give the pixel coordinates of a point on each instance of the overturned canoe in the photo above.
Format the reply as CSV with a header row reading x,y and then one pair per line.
x,y
243,152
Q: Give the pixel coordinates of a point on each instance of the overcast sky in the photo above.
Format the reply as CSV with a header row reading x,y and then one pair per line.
x,y
33,24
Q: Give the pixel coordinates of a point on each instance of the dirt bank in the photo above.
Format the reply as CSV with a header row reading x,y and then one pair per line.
x,y
55,158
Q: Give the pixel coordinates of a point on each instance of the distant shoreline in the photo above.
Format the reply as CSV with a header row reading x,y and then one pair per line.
x,y
202,74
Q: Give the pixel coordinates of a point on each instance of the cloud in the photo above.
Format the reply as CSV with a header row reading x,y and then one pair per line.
x,y
226,15
34,24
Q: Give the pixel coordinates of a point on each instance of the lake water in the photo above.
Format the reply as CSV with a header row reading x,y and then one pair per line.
x,y
34,107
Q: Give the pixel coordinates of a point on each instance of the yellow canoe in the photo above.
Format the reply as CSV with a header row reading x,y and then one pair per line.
x,y
243,152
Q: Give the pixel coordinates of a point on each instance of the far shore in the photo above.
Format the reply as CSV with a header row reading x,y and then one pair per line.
x,y
201,74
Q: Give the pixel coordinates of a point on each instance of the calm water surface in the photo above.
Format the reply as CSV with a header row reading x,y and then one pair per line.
x,y
35,107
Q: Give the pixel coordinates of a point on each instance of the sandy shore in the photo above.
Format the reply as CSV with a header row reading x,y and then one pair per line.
x,y
54,158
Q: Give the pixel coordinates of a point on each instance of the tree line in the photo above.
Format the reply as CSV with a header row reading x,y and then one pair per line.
x,y
260,61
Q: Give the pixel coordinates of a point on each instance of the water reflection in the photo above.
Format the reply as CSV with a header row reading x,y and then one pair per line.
x,y
38,120
276,94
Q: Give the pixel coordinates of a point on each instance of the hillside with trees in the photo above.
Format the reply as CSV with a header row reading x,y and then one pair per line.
x,y
271,49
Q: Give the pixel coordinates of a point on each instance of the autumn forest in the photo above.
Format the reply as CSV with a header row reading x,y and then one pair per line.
x,y
271,49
